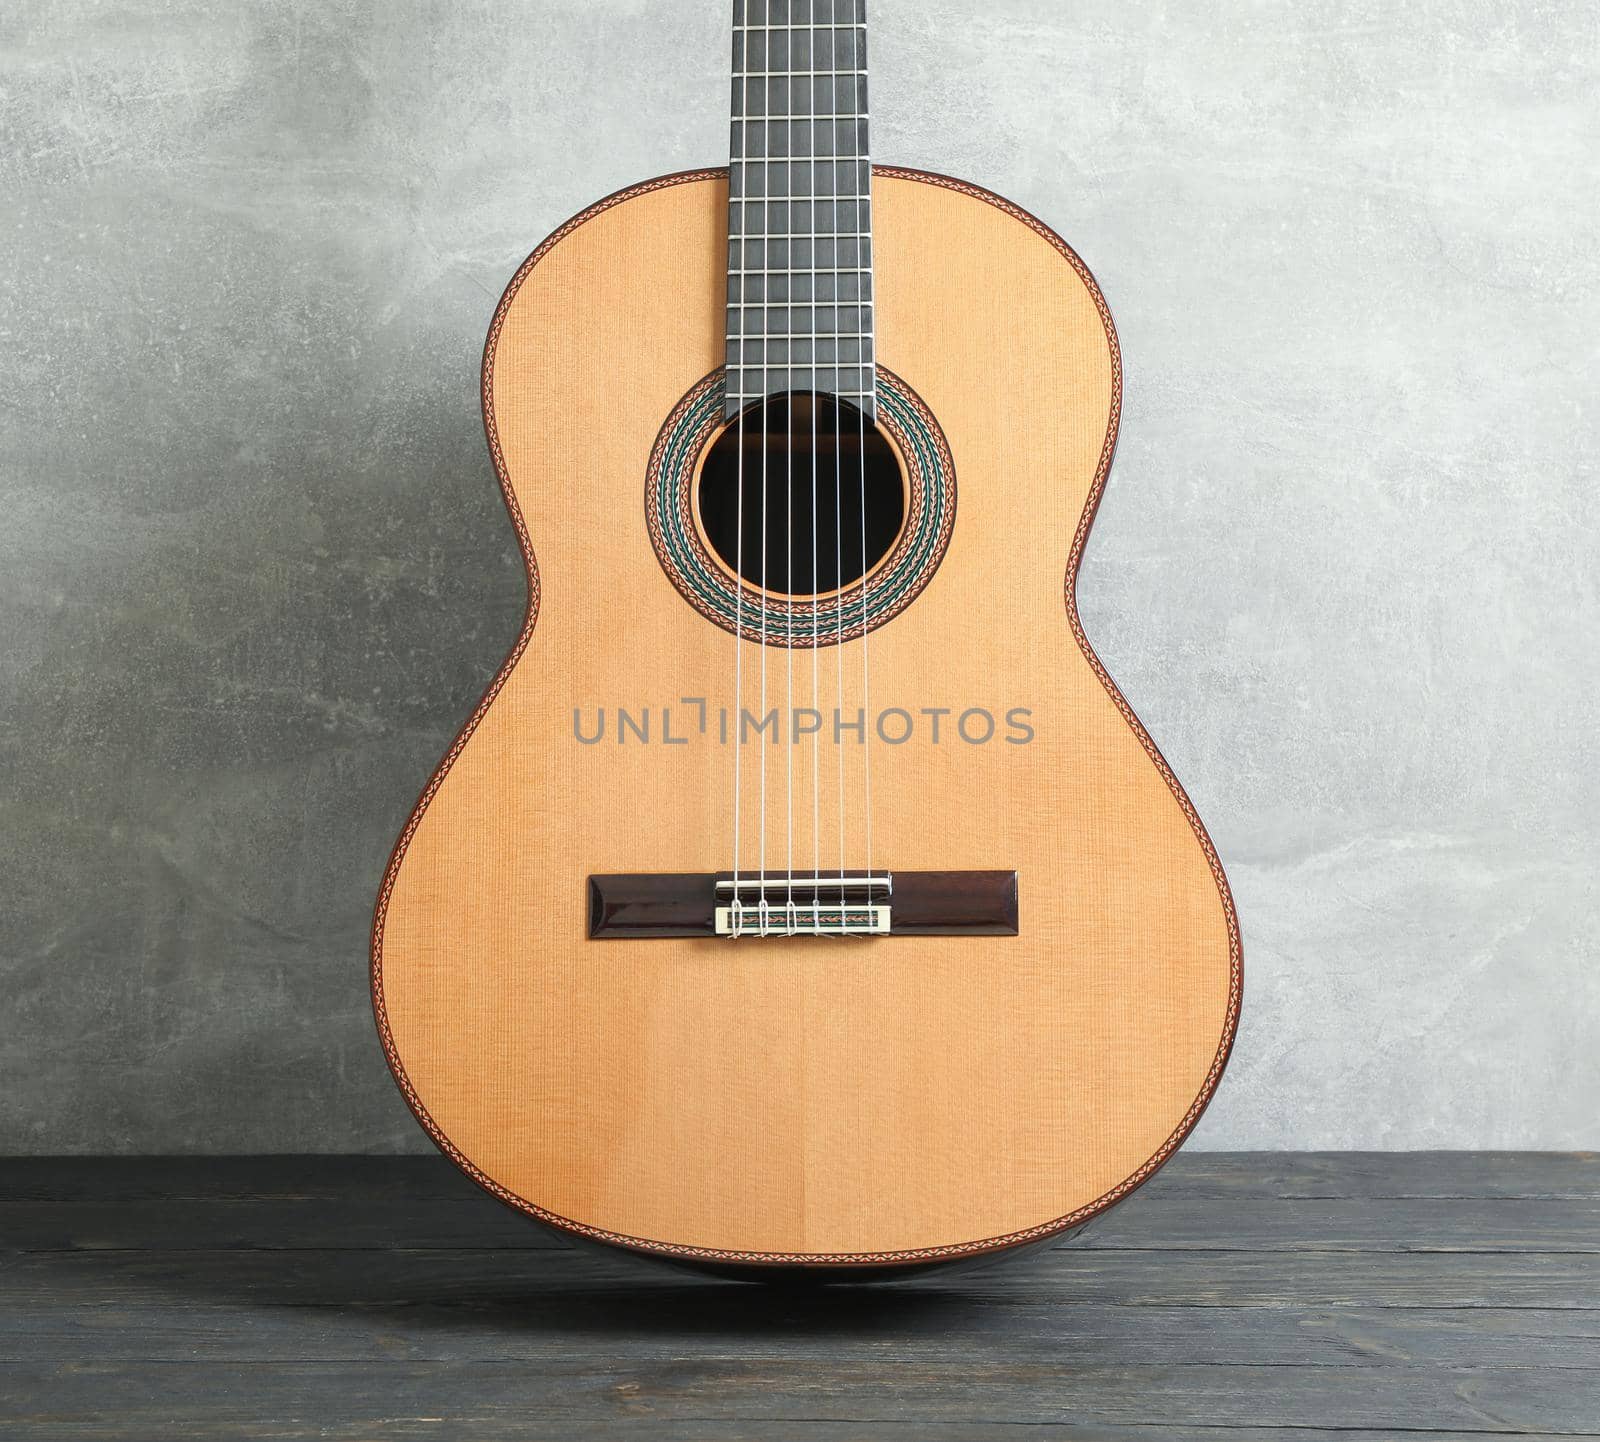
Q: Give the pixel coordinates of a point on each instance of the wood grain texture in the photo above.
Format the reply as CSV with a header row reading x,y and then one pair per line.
x,y
882,1101
298,1297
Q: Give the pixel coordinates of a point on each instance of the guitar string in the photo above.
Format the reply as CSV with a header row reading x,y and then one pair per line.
x,y
816,539
763,914
868,375
788,650
788,738
791,720
838,569
736,379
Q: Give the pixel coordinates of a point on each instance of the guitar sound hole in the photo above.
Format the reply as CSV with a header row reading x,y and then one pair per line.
x,y
822,467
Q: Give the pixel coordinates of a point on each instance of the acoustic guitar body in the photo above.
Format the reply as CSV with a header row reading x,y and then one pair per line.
x,y
772,1100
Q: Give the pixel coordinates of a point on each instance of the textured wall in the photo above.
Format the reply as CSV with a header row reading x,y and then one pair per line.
x,y
254,568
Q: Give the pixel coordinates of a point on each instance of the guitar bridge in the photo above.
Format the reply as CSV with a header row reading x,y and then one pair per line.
x,y
855,903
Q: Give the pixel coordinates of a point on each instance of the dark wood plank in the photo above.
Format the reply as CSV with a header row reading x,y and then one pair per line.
x,y
323,1222
493,1400
1147,1221
953,1330
1381,1174
596,1281
1235,1297
1402,1224
650,1429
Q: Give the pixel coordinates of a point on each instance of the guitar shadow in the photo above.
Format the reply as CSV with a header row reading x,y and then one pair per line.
x,y
403,1256
554,1291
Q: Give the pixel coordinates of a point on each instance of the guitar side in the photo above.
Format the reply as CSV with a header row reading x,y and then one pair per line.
x,y
845,1104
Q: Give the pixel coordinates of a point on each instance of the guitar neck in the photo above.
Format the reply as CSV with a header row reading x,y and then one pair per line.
x,y
800,204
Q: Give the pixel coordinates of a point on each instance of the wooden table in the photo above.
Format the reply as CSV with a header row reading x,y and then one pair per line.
x,y
1258,1296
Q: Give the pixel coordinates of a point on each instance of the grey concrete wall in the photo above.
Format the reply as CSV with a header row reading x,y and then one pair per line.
x,y
254,571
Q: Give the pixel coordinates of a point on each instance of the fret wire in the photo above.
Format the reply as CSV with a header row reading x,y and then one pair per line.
x,y
819,161
801,234
794,74
804,197
805,305
802,305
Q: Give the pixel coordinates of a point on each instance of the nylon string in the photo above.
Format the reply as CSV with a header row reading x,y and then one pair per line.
x,y
816,539
763,913
863,231
736,379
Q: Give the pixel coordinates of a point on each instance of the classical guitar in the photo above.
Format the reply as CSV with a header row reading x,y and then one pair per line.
x,y
802,893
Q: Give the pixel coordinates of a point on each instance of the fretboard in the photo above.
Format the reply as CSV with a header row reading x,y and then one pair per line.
x,y
799,203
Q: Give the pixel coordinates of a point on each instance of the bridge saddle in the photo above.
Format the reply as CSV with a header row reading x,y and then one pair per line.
x,y
812,904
